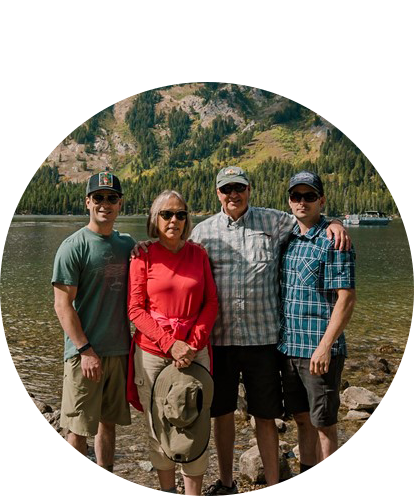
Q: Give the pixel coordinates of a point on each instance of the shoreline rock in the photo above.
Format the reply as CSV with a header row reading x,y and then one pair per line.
x,y
361,399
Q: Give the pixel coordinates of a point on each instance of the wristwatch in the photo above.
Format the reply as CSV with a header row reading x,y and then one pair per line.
x,y
84,348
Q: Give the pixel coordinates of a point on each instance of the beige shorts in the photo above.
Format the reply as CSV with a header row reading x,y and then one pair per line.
x,y
147,367
85,403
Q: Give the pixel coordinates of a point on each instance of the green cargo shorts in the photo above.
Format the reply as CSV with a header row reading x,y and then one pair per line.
x,y
85,403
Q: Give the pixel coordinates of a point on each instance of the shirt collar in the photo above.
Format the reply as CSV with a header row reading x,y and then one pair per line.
x,y
241,220
313,231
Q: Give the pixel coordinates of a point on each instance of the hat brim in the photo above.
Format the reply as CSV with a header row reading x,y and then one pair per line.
x,y
228,180
191,440
102,188
305,184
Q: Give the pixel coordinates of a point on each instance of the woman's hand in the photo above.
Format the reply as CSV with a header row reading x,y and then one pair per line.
x,y
182,353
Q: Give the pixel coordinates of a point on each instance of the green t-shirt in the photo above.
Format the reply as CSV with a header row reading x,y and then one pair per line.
x,y
98,266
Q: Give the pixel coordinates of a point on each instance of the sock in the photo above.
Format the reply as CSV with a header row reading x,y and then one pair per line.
x,y
169,492
104,479
75,486
307,478
322,485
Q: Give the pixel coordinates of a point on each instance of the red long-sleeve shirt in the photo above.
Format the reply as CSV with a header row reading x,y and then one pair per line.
x,y
176,285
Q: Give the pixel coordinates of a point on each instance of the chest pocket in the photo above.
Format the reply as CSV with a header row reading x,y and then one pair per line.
x,y
308,271
259,246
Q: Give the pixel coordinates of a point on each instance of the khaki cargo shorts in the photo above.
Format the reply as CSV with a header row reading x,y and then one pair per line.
x,y
86,403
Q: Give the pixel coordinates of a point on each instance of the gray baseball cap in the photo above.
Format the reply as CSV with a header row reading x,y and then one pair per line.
x,y
231,175
309,178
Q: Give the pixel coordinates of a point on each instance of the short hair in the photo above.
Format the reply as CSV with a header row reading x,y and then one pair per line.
x,y
156,207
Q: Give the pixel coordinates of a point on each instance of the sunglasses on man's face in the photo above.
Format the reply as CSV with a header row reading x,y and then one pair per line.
x,y
228,188
97,199
169,214
309,197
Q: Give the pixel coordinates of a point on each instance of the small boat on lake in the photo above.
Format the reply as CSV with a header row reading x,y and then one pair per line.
x,y
368,218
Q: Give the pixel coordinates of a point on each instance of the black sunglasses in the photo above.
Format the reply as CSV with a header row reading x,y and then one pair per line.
x,y
169,214
228,188
309,197
97,199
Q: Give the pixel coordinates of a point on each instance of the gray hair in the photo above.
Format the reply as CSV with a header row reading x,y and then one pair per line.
x,y
156,207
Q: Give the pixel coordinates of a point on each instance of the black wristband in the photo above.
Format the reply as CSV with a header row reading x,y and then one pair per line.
x,y
84,348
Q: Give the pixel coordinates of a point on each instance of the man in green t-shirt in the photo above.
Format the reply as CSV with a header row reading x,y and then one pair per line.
x,y
90,286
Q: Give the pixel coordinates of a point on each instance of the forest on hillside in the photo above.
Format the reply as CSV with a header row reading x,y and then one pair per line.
x,y
362,166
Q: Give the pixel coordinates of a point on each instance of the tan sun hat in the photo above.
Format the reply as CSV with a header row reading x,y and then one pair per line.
x,y
180,410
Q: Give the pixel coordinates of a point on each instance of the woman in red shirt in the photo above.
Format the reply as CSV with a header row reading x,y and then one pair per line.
x,y
172,301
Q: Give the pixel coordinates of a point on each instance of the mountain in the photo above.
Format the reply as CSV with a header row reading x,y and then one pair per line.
x,y
180,136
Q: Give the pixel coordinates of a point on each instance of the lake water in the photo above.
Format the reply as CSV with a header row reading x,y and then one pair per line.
x,y
379,326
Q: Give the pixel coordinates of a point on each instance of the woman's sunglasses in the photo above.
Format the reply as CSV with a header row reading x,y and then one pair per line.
x,y
97,199
309,197
169,214
228,188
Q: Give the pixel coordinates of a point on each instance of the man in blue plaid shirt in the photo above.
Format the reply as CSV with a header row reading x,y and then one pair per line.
x,y
318,297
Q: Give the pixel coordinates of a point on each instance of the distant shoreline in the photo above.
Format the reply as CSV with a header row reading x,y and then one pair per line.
x,y
17,217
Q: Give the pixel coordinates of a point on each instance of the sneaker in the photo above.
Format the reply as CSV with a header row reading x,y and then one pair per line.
x,y
219,488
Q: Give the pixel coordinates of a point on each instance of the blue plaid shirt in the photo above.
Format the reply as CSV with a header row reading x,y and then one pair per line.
x,y
311,271
244,256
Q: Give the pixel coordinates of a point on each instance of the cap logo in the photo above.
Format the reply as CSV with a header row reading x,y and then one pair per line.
x,y
230,171
106,179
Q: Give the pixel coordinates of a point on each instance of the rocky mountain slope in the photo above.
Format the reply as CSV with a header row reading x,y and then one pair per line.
x,y
259,125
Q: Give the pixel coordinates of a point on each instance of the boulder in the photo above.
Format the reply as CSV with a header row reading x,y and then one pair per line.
x,y
280,424
146,466
359,398
251,466
241,411
296,451
28,407
40,439
10,395
357,415
373,379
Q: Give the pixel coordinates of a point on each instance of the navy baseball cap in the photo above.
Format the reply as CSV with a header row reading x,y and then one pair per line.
x,y
309,178
103,180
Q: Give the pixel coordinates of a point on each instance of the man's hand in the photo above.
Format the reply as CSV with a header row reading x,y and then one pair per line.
x,y
144,247
342,239
182,353
320,360
91,365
